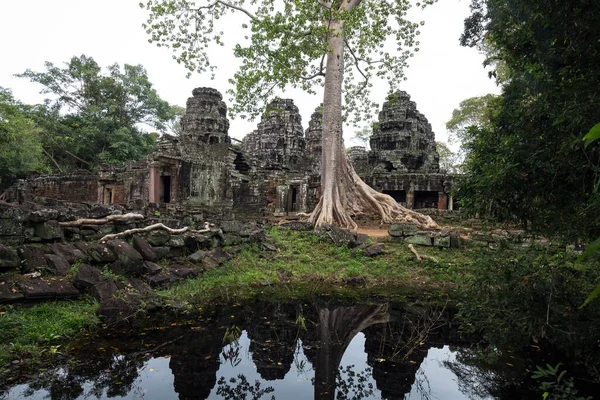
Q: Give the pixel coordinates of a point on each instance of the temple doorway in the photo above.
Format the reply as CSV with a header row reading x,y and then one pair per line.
x,y
165,189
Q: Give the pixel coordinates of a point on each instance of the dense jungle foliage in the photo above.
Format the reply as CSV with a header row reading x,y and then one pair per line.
x,y
525,157
90,117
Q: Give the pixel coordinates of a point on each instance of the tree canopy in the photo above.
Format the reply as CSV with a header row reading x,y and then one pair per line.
x,y
21,150
93,117
284,44
339,45
528,162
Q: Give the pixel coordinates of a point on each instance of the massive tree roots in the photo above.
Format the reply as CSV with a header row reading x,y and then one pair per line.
x,y
349,196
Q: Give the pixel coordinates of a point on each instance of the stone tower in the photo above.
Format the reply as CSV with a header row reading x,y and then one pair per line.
x,y
403,141
278,141
205,119
314,132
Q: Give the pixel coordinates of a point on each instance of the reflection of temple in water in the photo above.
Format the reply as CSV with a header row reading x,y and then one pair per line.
x,y
393,345
203,356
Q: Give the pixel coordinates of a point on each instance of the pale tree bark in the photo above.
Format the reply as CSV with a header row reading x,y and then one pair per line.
x,y
344,193
336,330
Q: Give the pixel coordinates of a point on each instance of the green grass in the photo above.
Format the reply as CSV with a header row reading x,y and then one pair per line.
x,y
303,257
34,329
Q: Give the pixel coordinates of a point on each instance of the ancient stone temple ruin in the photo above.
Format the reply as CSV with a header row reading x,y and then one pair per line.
x,y
403,161
274,171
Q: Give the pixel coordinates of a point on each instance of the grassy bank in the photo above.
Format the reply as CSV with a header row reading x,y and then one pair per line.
x,y
532,290
305,260
34,330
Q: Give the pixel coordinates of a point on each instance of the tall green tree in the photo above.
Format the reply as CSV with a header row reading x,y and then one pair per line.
x,y
336,45
529,163
474,112
21,150
449,160
92,117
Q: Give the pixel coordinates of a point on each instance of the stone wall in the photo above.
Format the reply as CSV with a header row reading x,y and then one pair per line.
x,y
78,186
43,259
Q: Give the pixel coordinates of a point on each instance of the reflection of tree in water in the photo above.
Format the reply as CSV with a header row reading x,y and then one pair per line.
x,y
352,385
336,329
482,374
112,373
242,390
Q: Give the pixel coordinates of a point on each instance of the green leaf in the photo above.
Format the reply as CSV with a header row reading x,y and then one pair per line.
x,y
592,135
592,248
591,297
561,376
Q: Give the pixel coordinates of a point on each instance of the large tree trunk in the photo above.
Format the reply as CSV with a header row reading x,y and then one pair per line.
x,y
344,194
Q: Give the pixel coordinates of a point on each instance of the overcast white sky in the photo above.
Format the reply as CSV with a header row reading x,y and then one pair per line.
x,y
33,31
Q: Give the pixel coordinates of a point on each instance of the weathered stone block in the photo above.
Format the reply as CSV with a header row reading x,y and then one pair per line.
x,y
63,289
43,215
197,242
421,240
107,229
299,226
49,230
163,252
338,235
258,236
182,272
98,252
87,232
401,229
38,290
361,239
9,257
219,255
232,240
58,264
151,268
176,241
126,254
232,226
158,238
144,248
454,240
374,250
10,293
158,280
87,277
198,256
10,227
33,258
441,241
104,290
67,251
117,311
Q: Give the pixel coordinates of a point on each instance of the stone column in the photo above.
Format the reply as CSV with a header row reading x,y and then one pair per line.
x,y
301,199
442,201
410,198
100,194
450,203
154,184
280,203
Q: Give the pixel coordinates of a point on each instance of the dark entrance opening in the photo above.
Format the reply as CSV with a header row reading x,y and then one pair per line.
x,y
398,195
165,189
426,199
241,164
292,199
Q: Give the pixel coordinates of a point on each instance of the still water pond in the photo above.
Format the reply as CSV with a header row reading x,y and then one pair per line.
x,y
286,351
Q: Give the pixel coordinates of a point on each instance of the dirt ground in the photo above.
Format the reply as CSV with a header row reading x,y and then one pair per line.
x,y
373,232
